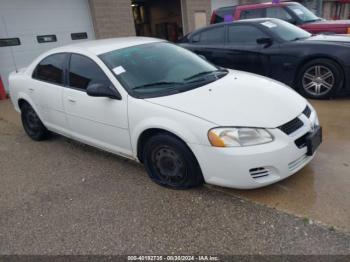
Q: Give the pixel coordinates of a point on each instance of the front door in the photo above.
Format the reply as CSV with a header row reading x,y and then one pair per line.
x,y
99,121
209,43
242,50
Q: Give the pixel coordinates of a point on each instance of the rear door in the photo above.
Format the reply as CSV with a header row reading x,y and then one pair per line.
x,y
209,43
242,50
46,90
99,121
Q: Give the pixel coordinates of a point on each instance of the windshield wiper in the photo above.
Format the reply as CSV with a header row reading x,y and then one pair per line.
x,y
205,73
162,83
298,38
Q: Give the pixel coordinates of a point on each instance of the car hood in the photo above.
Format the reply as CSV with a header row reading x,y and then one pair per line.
x,y
327,24
330,38
239,99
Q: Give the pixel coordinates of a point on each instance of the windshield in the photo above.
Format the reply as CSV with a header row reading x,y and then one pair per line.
x,y
285,30
304,14
159,69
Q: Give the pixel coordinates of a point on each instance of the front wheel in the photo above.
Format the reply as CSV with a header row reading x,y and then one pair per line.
x,y
32,124
170,163
320,78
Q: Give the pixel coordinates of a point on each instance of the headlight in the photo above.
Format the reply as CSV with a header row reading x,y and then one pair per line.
x,y
238,136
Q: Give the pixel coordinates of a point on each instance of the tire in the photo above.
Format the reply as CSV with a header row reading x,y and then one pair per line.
x,y
32,123
320,79
170,163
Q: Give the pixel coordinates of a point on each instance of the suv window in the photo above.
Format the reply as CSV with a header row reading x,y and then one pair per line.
x,y
224,14
51,68
278,12
244,34
214,35
83,71
253,13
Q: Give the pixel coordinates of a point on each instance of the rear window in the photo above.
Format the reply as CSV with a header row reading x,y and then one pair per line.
x,y
224,14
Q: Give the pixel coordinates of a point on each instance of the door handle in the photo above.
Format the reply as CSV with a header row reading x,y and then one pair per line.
x,y
71,100
31,89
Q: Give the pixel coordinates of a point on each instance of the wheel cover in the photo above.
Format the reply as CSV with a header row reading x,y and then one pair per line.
x,y
169,166
318,80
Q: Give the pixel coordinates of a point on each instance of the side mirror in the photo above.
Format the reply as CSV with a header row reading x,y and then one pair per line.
x,y
101,90
203,57
266,41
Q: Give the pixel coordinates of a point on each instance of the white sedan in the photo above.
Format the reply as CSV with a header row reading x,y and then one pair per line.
x,y
185,119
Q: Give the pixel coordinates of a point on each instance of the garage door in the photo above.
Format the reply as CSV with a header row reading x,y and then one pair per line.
x,y
30,27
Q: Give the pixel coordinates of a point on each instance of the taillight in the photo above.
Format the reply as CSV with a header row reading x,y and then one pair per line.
x,y
212,19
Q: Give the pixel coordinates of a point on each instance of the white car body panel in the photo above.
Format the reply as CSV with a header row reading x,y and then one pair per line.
x,y
238,99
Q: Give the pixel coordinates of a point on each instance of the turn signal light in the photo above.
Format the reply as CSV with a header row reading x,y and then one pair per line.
x,y
348,30
215,140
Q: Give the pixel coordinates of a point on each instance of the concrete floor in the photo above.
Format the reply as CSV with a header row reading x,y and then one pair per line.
x,y
62,197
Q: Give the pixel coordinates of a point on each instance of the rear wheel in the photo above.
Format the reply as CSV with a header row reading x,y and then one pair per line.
x,y
32,123
320,78
170,163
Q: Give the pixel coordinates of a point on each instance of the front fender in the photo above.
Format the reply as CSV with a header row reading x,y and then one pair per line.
x,y
145,115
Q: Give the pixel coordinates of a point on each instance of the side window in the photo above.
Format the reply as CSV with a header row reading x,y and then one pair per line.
x,y
253,13
51,68
244,34
83,71
214,35
277,12
224,14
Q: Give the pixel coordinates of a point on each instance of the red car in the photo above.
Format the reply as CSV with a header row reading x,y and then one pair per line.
x,y
291,12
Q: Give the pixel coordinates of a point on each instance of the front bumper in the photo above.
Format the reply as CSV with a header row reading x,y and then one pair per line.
x,y
255,166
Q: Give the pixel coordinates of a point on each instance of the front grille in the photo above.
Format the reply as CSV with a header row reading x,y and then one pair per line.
x,y
291,126
307,111
259,172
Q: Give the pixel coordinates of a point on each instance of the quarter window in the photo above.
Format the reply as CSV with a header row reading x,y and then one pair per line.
x,y
244,34
83,71
51,68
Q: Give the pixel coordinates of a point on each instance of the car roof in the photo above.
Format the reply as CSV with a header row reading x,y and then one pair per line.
x,y
106,45
259,5
243,21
